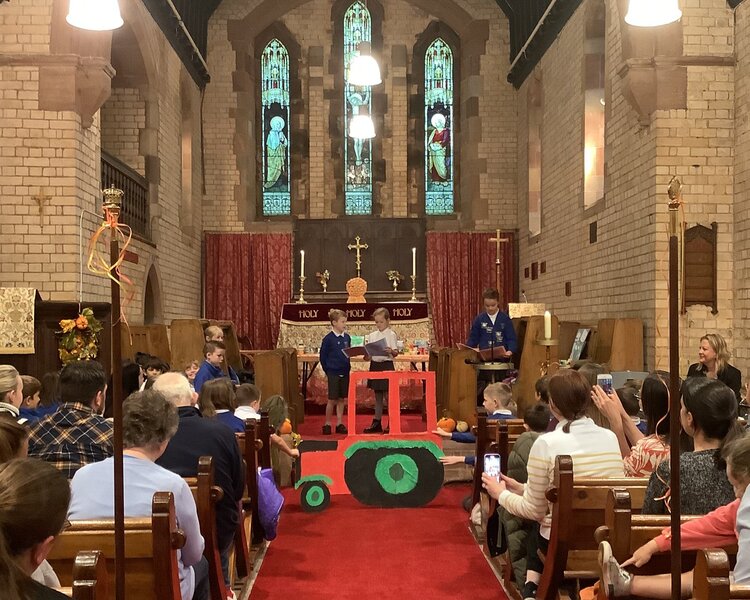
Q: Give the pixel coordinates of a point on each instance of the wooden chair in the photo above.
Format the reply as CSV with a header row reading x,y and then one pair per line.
x,y
711,578
206,495
89,577
151,546
578,509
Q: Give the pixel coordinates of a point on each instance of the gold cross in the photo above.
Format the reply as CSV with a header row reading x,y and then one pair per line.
x,y
498,240
357,246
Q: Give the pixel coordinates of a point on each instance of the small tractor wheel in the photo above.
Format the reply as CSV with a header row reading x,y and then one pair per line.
x,y
315,496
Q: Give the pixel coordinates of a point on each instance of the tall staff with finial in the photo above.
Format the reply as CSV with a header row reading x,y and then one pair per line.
x,y
674,191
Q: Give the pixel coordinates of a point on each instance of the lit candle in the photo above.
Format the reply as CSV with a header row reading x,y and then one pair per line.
x,y
547,325
414,262
302,263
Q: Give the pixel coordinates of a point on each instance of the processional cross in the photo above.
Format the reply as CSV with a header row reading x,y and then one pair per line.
x,y
357,246
498,264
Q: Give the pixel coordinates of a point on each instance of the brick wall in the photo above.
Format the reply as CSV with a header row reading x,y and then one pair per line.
x,y
50,154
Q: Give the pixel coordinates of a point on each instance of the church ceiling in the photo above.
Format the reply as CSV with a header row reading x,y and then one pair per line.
x,y
533,24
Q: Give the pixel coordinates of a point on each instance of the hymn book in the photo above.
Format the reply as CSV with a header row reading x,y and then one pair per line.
x,y
488,354
379,348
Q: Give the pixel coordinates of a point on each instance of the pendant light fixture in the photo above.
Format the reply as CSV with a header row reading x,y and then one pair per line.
x,y
361,127
363,68
652,13
95,15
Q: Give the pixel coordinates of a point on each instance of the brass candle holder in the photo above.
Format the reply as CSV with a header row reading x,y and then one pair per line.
x,y
413,289
545,364
301,299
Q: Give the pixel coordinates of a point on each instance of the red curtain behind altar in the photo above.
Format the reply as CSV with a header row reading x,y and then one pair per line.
x,y
459,267
248,280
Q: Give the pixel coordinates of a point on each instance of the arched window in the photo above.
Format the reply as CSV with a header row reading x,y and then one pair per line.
x,y
275,120
357,152
438,120
594,106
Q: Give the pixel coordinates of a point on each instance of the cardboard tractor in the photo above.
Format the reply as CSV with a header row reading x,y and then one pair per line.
x,y
394,470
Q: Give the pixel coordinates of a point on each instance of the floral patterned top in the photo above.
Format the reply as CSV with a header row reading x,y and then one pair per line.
x,y
645,456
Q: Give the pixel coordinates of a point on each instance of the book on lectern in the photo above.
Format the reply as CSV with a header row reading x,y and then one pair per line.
x,y
488,353
379,348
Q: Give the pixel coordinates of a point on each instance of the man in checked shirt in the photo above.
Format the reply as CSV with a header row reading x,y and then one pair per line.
x,y
76,434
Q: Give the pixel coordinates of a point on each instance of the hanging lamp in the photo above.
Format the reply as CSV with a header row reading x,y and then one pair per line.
x,y
363,68
361,127
95,15
652,13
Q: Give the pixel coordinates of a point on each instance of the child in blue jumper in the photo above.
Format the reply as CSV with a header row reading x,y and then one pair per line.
x,y
211,368
336,366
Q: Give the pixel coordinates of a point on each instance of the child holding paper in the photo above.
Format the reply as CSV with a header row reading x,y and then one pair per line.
x,y
336,365
382,319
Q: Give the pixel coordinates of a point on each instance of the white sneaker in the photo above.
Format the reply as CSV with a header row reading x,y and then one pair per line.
x,y
616,581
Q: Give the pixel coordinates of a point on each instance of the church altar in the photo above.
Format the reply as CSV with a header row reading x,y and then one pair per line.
x,y
303,326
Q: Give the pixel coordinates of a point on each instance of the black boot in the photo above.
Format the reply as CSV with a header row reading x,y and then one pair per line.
x,y
376,427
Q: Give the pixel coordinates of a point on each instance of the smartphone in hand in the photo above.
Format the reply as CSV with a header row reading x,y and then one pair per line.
x,y
604,381
492,465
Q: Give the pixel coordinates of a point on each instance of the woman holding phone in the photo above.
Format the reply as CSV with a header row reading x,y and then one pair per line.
x,y
595,452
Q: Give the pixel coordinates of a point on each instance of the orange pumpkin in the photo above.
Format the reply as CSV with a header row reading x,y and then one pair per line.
x,y
447,424
286,427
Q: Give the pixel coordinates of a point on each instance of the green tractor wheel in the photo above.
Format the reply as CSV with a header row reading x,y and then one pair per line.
x,y
315,496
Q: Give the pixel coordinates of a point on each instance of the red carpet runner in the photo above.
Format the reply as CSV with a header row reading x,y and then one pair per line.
x,y
354,552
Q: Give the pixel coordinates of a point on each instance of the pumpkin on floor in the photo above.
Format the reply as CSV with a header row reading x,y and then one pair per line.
x,y
447,424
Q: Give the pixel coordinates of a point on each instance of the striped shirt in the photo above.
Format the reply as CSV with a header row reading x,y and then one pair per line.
x,y
72,437
595,452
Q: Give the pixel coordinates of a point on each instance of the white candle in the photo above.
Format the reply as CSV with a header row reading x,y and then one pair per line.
x,y
302,263
547,325
414,262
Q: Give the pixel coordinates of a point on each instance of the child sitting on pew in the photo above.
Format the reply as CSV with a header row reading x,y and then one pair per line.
x,y
33,508
30,393
190,371
247,397
214,333
726,526
498,401
211,368
219,394
629,397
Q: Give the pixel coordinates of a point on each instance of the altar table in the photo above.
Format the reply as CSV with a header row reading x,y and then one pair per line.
x,y
305,325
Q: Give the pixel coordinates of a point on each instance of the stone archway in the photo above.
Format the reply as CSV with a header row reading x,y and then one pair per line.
x,y
152,300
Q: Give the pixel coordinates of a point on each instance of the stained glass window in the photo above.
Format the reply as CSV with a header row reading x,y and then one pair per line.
x,y
438,119
357,152
275,121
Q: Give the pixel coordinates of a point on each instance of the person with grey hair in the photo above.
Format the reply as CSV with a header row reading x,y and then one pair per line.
x,y
149,421
196,437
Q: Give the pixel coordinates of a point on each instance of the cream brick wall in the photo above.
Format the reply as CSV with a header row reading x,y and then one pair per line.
x,y
51,152
311,25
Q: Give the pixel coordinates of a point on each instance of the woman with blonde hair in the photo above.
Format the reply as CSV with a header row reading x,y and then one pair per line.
x,y
713,362
11,391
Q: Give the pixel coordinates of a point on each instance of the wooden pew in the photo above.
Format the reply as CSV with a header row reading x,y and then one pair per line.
x,y
152,339
619,344
188,340
711,578
456,384
206,495
507,431
485,432
626,531
151,546
276,372
566,336
578,509
90,578
250,447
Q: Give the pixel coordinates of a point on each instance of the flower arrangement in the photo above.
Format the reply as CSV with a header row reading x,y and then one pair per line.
x,y
79,338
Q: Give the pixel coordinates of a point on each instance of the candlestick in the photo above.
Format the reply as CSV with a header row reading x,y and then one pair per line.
x,y
302,263
301,299
547,325
413,289
413,262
